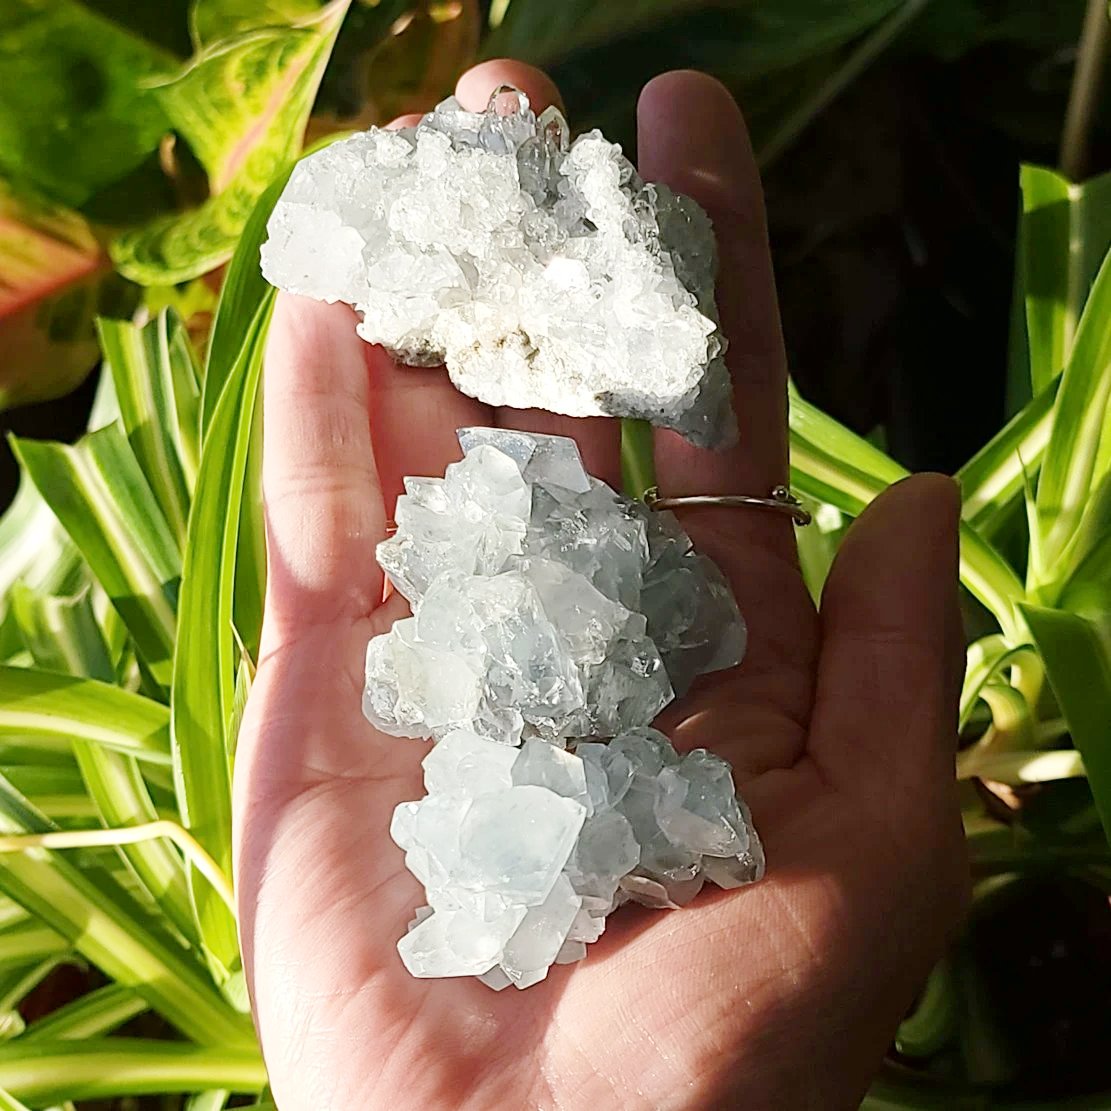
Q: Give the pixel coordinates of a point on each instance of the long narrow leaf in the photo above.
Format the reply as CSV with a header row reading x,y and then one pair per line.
x,y
1068,470
992,480
93,1015
57,708
101,496
1079,670
8,1102
53,1071
158,391
205,663
110,929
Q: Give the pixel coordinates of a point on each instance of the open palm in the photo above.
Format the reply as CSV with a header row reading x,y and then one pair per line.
x,y
840,728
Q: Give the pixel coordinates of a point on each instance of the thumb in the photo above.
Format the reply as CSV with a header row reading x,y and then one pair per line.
x,y
890,664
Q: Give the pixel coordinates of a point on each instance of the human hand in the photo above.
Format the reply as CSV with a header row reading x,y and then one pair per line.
x,y
840,729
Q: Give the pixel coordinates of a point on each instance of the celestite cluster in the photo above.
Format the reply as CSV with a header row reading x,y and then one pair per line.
x,y
549,614
544,273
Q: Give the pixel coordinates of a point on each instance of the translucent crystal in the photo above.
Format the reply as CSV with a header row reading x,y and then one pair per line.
x,y
545,604
544,273
524,853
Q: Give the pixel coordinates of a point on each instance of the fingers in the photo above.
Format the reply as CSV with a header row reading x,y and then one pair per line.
x,y
889,674
598,437
691,137
324,511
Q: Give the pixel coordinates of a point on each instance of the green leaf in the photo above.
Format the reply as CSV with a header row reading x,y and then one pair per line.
x,y
242,105
96,1013
1078,664
54,709
831,464
8,1102
28,943
158,391
243,291
1068,469
206,658
111,930
987,658
1065,233
76,113
99,493
34,547
992,480
106,1068
210,20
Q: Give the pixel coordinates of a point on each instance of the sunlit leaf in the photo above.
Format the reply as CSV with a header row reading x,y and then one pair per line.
x,y
242,105
206,658
104,1068
212,20
109,929
158,391
1065,232
1068,469
99,493
1078,664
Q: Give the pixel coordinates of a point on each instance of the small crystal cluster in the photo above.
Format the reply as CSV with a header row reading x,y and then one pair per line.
x,y
544,273
524,852
550,613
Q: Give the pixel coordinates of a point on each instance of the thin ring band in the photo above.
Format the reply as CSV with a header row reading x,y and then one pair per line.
x,y
781,500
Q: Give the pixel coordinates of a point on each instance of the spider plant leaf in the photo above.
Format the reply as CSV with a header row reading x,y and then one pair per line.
x,y
108,1068
1078,665
92,1015
158,391
207,657
112,931
98,491
1068,468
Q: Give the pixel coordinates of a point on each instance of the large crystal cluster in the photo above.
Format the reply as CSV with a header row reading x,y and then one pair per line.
x,y
524,852
544,273
550,614
544,603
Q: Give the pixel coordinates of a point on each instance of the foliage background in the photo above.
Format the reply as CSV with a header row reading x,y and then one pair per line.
x,y
135,144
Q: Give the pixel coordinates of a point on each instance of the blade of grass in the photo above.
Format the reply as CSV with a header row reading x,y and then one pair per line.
x,y
99,493
108,1068
206,658
157,387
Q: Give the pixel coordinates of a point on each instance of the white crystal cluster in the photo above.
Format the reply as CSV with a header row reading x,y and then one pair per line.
x,y
550,614
544,603
544,273
523,852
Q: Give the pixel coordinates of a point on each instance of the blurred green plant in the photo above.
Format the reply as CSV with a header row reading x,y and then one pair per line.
x,y
131,562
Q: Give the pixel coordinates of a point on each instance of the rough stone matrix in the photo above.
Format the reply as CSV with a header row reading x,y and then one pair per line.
x,y
544,273
524,853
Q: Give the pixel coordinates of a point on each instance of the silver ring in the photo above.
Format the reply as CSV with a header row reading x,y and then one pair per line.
x,y
781,500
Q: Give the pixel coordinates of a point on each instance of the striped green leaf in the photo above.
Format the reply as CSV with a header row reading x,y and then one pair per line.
x,y
1078,664
242,105
833,465
206,660
1069,467
34,547
241,295
111,930
1065,232
29,942
55,709
93,1015
8,1102
158,390
99,493
106,1068
992,481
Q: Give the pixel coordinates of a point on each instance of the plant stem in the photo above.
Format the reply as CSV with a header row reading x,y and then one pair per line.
x,y
638,463
1090,57
853,66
